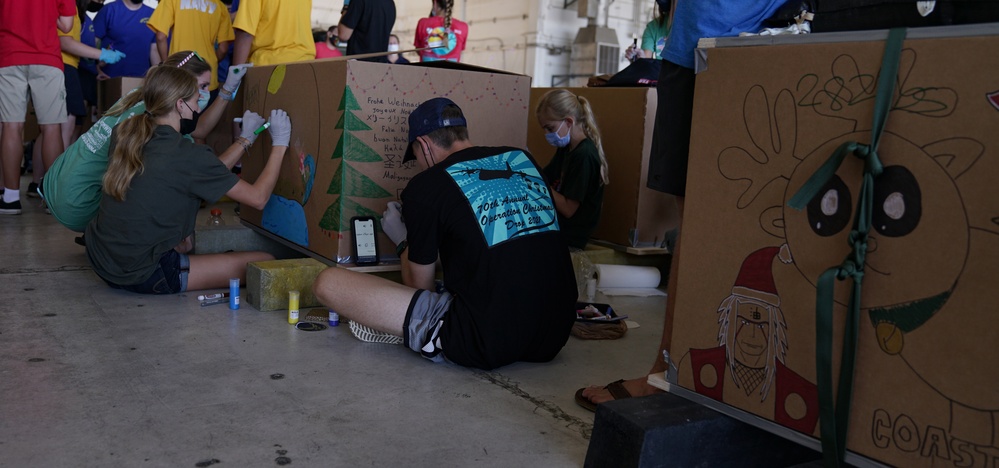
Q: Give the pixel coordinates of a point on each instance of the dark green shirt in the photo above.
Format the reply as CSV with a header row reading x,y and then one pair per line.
x,y
576,175
127,238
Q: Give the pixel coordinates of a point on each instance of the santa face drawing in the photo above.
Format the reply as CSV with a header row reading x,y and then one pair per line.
x,y
752,333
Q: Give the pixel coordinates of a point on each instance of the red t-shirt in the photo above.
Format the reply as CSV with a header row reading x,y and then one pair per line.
x,y
325,52
28,31
430,32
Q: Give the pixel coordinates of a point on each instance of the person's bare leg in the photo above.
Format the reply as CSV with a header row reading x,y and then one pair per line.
x,y
640,386
212,271
37,170
51,146
67,129
369,300
11,153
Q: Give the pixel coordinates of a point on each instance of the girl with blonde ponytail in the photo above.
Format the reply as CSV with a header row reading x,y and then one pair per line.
x,y
578,171
155,182
442,33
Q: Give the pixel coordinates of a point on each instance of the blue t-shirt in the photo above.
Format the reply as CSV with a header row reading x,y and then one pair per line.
x,y
125,30
694,19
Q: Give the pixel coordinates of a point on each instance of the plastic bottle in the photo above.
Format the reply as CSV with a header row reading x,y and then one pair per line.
x,y
215,218
334,319
292,307
234,293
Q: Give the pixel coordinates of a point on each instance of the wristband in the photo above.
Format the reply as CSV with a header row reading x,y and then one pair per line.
x,y
399,249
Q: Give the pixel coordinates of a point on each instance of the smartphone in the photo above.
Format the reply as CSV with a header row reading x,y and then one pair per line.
x,y
365,241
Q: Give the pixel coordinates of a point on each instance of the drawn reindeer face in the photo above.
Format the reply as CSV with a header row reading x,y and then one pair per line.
x,y
918,242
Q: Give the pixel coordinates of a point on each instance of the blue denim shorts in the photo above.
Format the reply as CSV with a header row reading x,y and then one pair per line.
x,y
170,276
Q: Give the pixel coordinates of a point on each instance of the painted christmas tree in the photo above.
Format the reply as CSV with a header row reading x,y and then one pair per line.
x,y
348,181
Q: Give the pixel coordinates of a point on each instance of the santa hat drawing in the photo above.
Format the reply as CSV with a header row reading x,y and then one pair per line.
x,y
756,279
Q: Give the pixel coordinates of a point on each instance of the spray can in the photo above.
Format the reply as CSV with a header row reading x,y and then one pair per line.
x,y
234,293
292,307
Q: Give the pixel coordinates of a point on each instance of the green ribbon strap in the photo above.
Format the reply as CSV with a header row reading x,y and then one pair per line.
x,y
835,417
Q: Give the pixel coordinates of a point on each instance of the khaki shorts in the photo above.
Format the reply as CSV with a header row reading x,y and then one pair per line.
x,y
47,86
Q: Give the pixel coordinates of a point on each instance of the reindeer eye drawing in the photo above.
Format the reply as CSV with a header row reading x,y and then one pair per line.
x,y
898,202
829,213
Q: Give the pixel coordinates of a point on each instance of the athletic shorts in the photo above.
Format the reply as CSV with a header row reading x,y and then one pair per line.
x,y
74,94
47,89
170,276
423,323
671,134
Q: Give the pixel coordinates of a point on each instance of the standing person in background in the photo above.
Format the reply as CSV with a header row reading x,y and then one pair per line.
x,y
578,171
394,47
328,48
266,34
154,186
445,35
72,50
121,26
88,67
30,62
366,25
203,27
654,37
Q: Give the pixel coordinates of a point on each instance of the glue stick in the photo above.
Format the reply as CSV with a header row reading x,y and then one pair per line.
x,y
234,293
293,307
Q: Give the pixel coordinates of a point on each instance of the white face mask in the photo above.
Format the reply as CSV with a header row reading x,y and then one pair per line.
x,y
393,47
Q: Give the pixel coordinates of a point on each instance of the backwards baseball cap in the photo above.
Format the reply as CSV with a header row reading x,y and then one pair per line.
x,y
427,118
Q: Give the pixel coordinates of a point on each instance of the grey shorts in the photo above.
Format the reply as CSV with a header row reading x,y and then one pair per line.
x,y
47,86
423,323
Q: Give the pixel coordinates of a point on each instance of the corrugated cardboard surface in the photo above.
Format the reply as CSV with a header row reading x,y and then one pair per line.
x,y
349,135
633,214
765,118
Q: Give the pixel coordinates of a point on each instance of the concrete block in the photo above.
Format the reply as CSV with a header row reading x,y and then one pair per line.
x,y
268,283
665,430
219,239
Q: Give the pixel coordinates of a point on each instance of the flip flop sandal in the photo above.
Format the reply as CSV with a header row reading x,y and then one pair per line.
x,y
616,390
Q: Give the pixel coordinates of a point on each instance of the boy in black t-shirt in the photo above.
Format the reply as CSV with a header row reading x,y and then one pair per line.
x,y
488,215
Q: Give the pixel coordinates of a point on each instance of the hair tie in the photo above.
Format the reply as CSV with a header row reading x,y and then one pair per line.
x,y
150,114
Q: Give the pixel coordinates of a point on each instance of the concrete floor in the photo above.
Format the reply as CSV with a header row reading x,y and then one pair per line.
x,y
91,376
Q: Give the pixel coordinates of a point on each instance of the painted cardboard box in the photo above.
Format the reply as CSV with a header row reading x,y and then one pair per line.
x,y
633,215
349,136
744,337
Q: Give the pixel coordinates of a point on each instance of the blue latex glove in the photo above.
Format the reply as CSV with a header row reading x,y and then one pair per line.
x,y
109,56
280,128
392,222
251,122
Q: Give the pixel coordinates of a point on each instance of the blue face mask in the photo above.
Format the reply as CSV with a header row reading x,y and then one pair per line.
x,y
555,140
203,99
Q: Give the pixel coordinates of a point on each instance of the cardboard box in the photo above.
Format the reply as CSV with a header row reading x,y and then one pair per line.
x,y
349,135
926,388
633,214
111,90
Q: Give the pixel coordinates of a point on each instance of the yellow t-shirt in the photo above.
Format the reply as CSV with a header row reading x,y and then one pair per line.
x,y
197,25
68,58
279,36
